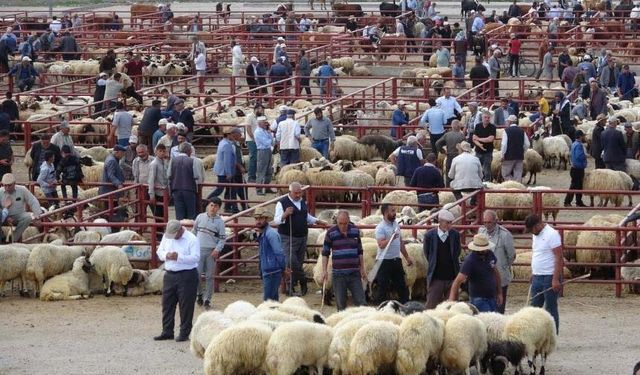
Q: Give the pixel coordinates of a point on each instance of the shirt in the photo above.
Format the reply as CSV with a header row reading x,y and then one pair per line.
x,y
288,134
479,271
384,230
478,25
236,55
19,198
174,151
514,46
188,249
123,122
201,62
59,139
320,129
158,179
442,58
346,248
277,217
225,164
435,117
449,106
47,178
141,170
442,234
482,132
503,143
55,26
543,104
263,139
112,89
543,259
210,231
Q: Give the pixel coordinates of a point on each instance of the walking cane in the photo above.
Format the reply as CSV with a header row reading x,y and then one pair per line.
x,y
529,298
290,256
324,286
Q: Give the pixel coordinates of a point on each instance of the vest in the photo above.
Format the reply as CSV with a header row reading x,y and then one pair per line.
x,y
515,143
298,219
407,161
182,177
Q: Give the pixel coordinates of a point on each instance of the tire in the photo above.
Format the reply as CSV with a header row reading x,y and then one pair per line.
x,y
527,68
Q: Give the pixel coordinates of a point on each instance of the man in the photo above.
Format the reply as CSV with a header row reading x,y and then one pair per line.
x,y
185,116
569,74
435,118
474,117
443,56
598,102
609,76
514,54
632,140
141,166
183,176
465,173
293,219
304,71
253,72
225,166
197,46
450,141
237,61
305,24
596,141
399,117
613,146
547,65
479,74
171,100
578,166
501,113
342,242
512,148
158,181
441,248
288,137
170,138
240,192
264,145
68,47
126,163
210,230
325,80
133,68
483,137
457,73
449,105
276,49
37,154
25,74
251,126
427,176
503,250
62,137
180,252
15,198
478,24
408,159
6,153
320,131
495,70
112,90
10,107
391,273
55,25
149,123
47,179
479,269
122,125
626,84
546,266
561,121
112,174
271,255
277,76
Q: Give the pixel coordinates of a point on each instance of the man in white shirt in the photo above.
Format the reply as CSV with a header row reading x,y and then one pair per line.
x,y
55,25
449,105
200,61
180,252
288,137
546,266
237,61
282,24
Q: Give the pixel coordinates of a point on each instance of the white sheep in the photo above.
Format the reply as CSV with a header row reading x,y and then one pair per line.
x,y
536,329
297,344
85,237
239,349
121,238
401,198
239,310
340,343
113,264
465,341
336,318
429,333
304,313
386,176
373,348
605,179
13,265
631,274
48,260
136,286
156,280
495,323
458,307
295,301
208,325
273,316
73,284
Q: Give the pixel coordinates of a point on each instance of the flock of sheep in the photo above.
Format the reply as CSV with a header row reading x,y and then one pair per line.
x,y
279,338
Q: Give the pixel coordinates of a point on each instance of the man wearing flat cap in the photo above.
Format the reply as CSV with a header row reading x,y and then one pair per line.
x,y
441,247
180,252
14,199
272,259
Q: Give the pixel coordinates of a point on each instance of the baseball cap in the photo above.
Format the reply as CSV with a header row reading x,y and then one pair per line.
x,y
26,58
133,139
173,227
291,112
163,121
64,125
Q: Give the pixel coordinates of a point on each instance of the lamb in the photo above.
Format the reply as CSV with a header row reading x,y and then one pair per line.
x,y
458,307
297,344
373,348
536,329
97,153
208,325
295,301
121,238
357,178
465,342
73,284
136,286
48,260
500,354
630,273
273,316
495,323
386,176
155,282
113,264
532,164
340,343
92,173
239,349
552,148
401,198
302,312
334,319
429,333
85,237
13,264
239,310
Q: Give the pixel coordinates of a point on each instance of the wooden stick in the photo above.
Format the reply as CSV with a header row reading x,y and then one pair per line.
x,y
324,286
562,283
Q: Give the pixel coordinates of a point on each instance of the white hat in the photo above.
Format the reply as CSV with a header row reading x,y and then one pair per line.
x,y
512,118
103,74
254,59
401,103
181,126
280,39
283,45
465,146
445,215
283,58
171,125
283,108
163,121
133,139
261,118
26,58
480,243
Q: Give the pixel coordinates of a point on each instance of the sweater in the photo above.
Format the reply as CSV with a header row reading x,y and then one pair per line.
x,y
210,231
427,177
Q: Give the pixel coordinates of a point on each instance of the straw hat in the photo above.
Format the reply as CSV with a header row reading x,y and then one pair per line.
x,y
480,243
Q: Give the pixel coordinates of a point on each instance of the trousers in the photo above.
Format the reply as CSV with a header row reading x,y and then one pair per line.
x,y
185,204
548,299
179,290
391,277
253,158
322,146
289,156
348,282
577,179
437,291
484,304
485,160
270,286
512,170
295,251
504,300
264,169
21,221
206,265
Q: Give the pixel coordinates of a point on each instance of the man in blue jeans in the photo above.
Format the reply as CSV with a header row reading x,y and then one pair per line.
x,y
271,258
546,265
320,130
479,268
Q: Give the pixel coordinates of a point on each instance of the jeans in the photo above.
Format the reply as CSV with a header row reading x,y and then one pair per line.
x,y
433,138
185,204
548,299
351,282
484,304
501,308
270,286
322,146
253,161
206,265
124,142
239,192
289,156
52,198
26,84
74,190
514,62
395,133
485,161
577,179
229,193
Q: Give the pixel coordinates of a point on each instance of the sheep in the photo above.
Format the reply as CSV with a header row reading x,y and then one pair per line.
x,y
136,286
605,179
536,329
419,328
552,148
239,349
83,237
386,176
357,179
524,272
113,264
629,273
274,316
121,238
495,323
73,284
302,312
465,342
401,198
334,319
373,348
550,201
239,310
309,153
92,173
97,153
48,260
458,307
533,163
500,354
295,301
155,282
340,343
13,264
297,344
360,71
208,325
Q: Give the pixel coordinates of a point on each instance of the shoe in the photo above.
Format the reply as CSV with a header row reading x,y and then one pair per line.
x,y
163,337
303,288
580,204
270,191
567,204
182,338
199,301
260,192
207,305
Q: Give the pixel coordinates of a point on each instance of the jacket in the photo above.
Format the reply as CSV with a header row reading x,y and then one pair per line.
x,y
225,164
112,175
430,248
465,172
271,254
69,170
504,251
578,156
37,151
47,178
252,80
613,146
605,76
596,142
598,103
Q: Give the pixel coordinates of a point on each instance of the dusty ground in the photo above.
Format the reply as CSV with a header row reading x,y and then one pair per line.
x,y
599,334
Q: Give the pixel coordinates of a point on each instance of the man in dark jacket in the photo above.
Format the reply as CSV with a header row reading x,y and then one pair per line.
x,y
278,73
185,116
112,174
408,159
37,154
442,250
149,123
25,74
561,123
632,140
578,165
514,10
69,47
596,142
479,74
626,84
613,146
427,176
253,71
108,62
10,107
598,104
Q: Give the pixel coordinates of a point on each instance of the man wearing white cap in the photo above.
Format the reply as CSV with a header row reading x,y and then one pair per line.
x,y
252,72
512,148
441,248
480,269
14,198
180,252
288,137
62,137
465,173
25,74
264,144
237,61
159,133
169,139
277,48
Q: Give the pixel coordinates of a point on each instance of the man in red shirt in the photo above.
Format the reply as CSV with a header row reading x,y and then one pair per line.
x,y
134,69
514,55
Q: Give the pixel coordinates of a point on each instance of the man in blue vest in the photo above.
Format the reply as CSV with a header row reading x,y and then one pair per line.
x,y
513,146
409,158
293,218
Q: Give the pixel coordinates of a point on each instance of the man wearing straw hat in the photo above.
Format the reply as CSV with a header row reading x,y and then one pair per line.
x,y
479,269
442,250
272,259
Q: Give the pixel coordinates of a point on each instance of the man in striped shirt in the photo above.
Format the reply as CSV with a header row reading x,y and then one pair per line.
x,y
348,266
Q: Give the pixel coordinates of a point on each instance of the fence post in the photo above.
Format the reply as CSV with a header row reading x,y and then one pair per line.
x,y
480,205
618,253
142,205
311,201
27,136
394,89
537,203
154,246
